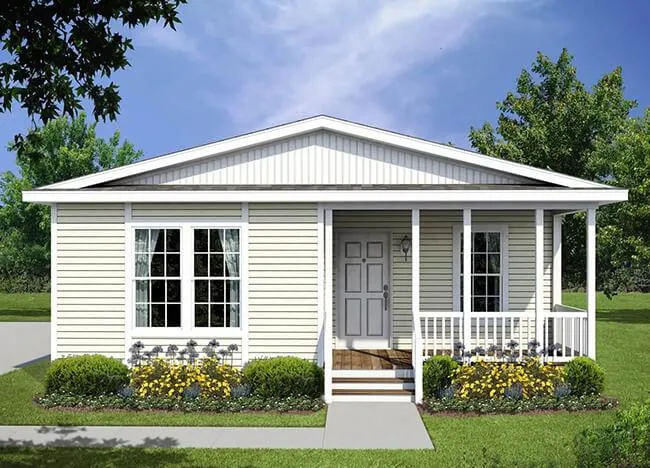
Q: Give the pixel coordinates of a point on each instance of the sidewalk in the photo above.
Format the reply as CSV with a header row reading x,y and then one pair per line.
x,y
348,426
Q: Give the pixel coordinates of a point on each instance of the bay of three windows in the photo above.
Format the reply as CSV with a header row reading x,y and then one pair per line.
x,y
215,276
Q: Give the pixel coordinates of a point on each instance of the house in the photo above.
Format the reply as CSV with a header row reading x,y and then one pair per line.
x,y
324,239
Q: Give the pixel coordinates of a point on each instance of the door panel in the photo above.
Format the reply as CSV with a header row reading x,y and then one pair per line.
x,y
362,279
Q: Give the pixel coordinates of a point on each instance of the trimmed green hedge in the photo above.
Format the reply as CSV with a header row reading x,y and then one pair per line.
x,y
584,376
437,374
86,375
282,377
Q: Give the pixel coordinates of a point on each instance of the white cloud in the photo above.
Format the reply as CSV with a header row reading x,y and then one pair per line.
x,y
359,59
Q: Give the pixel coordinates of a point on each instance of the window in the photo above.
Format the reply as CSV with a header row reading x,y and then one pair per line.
x,y
216,278
157,278
489,270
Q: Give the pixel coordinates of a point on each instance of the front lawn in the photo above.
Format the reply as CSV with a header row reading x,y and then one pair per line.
x,y
518,440
25,307
16,408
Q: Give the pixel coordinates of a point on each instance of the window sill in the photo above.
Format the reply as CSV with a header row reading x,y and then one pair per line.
x,y
189,333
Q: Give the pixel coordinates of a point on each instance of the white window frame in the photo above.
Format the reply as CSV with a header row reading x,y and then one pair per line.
x,y
505,262
187,329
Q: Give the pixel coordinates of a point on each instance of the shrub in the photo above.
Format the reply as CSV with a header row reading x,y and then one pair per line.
x,y
163,378
584,376
492,379
282,377
436,374
86,375
624,442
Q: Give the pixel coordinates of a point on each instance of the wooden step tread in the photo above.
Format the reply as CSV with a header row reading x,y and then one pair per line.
x,y
373,380
339,391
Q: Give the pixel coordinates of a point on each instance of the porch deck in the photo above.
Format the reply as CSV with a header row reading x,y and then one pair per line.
x,y
371,359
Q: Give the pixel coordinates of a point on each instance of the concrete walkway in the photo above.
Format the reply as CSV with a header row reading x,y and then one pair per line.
x,y
375,426
349,426
22,343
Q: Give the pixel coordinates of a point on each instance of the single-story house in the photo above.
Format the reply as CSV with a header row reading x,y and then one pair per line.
x,y
324,239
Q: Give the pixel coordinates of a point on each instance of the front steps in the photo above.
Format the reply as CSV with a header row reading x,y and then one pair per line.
x,y
373,385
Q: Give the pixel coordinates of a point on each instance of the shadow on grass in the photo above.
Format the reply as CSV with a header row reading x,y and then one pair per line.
x,y
624,316
26,312
85,457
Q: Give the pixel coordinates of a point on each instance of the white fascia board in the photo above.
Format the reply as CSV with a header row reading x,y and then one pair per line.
x,y
327,196
334,125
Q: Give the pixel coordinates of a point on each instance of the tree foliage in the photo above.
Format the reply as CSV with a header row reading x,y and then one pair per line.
x,y
553,121
60,150
62,52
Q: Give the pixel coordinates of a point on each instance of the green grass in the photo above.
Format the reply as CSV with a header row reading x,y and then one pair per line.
x,y
25,307
519,440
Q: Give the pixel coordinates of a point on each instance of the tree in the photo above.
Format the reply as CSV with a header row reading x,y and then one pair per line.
x,y
554,122
60,53
624,236
60,150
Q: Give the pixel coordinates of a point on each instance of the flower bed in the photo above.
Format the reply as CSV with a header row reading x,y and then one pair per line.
x,y
217,405
511,406
180,380
512,387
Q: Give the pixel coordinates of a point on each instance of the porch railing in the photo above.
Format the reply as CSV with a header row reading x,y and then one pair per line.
x,y
564,333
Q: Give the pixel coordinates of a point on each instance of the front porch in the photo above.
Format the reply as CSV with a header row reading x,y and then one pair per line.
x,y
418,308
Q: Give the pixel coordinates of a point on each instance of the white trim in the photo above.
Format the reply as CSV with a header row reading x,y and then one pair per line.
x,y
187,329
591,283
539,275
483,197
320,275
415,301
467,276
334,125
505,262
244,275
54,214
557,259
327,348
128,283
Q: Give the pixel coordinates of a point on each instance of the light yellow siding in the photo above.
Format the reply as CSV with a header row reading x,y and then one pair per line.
x,y
90,279
436,245
143,211
283,286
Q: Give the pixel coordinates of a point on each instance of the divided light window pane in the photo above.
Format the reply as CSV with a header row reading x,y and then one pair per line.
x,y
157,278
216,278
486,272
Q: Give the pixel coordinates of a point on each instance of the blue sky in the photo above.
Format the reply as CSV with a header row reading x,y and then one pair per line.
x,y
427,68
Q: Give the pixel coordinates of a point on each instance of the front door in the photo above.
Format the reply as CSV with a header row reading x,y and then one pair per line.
x,y
363,290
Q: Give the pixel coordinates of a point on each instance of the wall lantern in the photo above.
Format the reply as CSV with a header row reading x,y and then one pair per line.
x,y
406,246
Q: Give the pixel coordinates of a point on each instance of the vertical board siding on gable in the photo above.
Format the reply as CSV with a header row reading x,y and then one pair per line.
x,y
324,158
90,279
283,285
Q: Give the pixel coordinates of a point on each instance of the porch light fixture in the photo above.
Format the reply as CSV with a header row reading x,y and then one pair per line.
x,y
406,246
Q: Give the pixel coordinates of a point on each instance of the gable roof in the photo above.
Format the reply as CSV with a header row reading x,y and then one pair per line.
x,y
334,125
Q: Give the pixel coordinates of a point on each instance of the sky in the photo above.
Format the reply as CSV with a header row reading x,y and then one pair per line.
x,y
429,68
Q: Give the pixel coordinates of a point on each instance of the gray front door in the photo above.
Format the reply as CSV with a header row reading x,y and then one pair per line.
x,y
363,318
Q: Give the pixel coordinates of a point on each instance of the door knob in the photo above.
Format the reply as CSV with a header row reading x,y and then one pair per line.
x,y
385,297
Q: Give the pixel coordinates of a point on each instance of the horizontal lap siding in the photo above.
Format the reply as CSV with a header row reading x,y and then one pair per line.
x,y
283,282
90,279
185,210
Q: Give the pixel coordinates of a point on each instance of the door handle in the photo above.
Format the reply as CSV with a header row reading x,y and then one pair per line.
x,y
385,297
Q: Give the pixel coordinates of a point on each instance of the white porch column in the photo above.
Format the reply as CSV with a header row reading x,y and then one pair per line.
x,y
591,283
539,276
415,301
467,276
557,259
327,316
